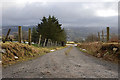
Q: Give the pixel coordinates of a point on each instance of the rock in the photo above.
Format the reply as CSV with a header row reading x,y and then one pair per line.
x,y
47,67
98,55
42,72
84,49
115,49
67,66
41,77
52,50
15,57
45,73
48,72
78,65
3,51
26,71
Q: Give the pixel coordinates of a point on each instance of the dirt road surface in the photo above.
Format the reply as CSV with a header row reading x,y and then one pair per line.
x,y
58,64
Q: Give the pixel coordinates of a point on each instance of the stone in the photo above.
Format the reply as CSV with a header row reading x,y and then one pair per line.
x,y
98,55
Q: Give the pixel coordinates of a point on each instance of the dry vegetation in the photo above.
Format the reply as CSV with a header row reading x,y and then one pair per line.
x,y
14,52
107,51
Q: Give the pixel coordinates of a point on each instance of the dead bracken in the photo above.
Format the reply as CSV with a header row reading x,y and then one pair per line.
x,y
107,51
12,52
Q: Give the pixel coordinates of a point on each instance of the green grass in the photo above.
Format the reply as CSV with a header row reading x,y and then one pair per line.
x,y
36,45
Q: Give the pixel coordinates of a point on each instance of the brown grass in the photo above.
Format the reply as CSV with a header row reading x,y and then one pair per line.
x,y
22,51
102,50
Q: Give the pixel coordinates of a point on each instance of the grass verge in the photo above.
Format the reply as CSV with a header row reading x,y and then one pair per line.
x,y
15,52
107,51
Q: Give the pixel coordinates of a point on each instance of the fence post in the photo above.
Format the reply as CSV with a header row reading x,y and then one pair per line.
x,y
39,41
19,34
44,42
29,38
55,43
51,43
108,34
102,36
98,36
48,42
7,34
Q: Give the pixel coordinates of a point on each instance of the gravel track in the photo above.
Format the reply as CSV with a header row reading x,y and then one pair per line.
x,y
59,65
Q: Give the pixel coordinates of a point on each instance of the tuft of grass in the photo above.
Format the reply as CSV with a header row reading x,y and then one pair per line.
x,y
36,45
68,50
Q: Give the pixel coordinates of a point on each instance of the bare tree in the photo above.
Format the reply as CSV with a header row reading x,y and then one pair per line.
x,y
91,38
114,38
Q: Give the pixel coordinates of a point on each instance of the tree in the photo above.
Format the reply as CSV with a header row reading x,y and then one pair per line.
x,y
91,38
78,40
50,28
114,38
34,35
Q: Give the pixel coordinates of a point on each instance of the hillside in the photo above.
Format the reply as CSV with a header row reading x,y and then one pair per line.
x,y
14,29
73,33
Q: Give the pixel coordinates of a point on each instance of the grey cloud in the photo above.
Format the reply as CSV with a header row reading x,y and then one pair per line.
x,y
68,13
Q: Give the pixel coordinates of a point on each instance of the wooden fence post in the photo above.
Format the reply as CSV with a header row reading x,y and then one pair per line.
x,y
29,36
7,34
39,40
44,42
19,34
102,36
55,43
98,36
107,34
48,42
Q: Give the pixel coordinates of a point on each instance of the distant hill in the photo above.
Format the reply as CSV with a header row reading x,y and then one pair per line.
x,y
73,33
14,29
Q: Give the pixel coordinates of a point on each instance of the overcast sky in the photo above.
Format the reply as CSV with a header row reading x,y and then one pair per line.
x,y
75,13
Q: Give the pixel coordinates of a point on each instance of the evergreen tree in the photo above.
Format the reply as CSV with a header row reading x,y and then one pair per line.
x,y
50,28
34,35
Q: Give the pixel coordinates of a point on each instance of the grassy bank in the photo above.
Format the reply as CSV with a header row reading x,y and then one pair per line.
x,y
16,52
107,51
